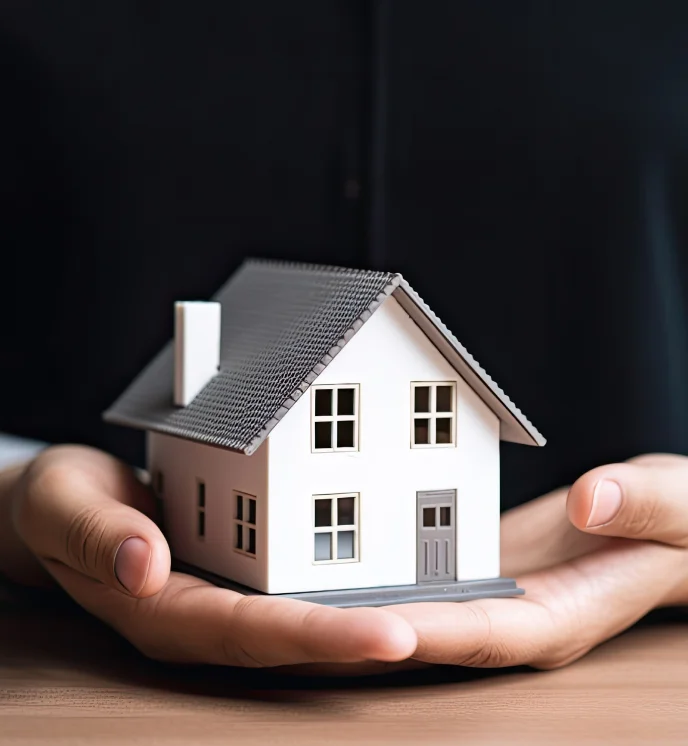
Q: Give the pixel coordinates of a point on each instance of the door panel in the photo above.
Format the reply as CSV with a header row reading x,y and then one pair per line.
x,y
436,536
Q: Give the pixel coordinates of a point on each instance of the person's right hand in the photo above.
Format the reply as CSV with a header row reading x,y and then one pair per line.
x,y
87,519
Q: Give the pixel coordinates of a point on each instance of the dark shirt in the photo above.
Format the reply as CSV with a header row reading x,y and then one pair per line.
x,y
523,164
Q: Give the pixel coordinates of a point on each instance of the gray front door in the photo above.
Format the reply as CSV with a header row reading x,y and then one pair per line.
x,y
436,536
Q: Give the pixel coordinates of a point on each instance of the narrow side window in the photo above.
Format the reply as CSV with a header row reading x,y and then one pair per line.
x,y
200,503
245,523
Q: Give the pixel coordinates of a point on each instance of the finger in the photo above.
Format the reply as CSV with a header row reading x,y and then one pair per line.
x,y
538,535
191,621
78,506
643,499
565,613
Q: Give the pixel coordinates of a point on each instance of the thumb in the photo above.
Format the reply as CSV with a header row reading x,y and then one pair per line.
x,y
81,508
646,498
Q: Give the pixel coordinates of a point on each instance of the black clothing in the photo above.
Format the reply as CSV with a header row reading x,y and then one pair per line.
x,y
523,164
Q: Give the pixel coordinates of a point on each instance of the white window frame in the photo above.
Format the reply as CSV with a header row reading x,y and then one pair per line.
x,y
243,524
334,529
433,415
334,418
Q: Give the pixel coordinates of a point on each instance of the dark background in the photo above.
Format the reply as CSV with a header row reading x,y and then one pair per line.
x,y
524,164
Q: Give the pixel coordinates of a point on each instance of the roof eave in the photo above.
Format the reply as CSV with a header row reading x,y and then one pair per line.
x,y
114,418
514,425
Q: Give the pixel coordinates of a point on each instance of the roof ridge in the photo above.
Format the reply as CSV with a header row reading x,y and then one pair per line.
x,y
314,267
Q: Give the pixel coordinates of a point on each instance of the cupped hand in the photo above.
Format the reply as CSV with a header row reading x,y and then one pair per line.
x,y
593,560
88,520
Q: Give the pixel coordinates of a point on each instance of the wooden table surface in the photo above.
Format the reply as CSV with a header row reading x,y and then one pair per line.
x,y
66,679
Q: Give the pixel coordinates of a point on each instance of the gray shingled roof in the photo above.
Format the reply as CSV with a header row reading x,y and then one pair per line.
x,y
281,325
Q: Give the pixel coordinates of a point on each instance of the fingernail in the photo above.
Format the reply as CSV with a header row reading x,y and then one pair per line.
x,y
131,564
606,503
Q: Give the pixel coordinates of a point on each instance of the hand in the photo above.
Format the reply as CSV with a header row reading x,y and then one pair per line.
x,y
88,521
592,560
75,507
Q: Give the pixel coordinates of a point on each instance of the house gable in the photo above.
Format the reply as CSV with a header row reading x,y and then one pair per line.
x,y
383,359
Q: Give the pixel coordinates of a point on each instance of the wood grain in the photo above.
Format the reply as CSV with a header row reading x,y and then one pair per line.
x,y
66,679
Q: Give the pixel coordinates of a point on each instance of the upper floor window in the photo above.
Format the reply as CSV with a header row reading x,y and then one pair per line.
x,y
335,418
434,414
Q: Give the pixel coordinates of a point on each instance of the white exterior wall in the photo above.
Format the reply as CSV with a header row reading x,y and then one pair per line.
x,y
384,357
182,464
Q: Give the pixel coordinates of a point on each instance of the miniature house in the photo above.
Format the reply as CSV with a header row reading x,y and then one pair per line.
x,y
318,432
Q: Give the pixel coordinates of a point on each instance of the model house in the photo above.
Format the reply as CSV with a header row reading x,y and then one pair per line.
x,y
318,432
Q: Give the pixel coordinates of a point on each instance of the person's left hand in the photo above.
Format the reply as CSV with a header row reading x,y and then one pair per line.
x,y
593,560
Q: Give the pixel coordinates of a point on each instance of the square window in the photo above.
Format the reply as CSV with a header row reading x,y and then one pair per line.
x,y
433,419
335,418
421,399
443,430
421,429
345,433
429,517
323,513
323,402
444,399
323,434
445,515
345,545
335,528
345,511
345,401
323,547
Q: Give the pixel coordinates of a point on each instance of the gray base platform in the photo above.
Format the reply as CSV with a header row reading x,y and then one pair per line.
x,y
385,596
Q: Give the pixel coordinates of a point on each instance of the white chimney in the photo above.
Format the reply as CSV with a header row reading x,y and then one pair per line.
x,y
196,348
